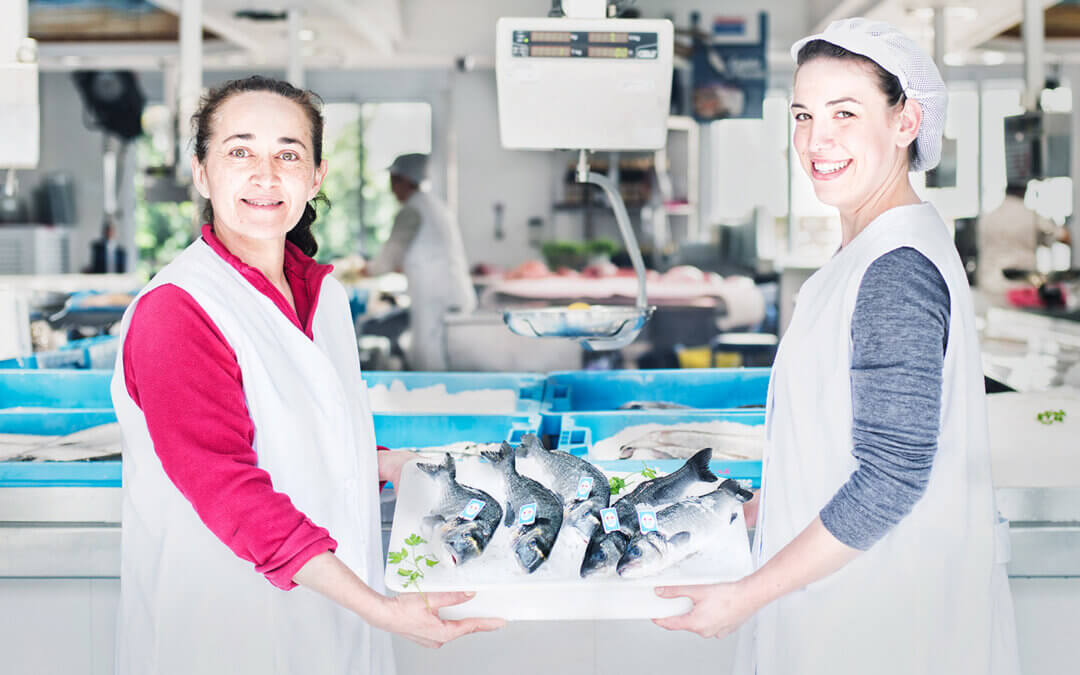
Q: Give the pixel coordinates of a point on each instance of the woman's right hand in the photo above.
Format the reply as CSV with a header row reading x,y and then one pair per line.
x,y
416,617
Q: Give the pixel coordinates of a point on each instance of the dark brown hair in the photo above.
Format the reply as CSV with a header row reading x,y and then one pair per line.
x,y
202,128
888,83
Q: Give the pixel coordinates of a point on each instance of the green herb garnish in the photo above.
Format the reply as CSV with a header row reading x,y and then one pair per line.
x,y
1051,416
410,562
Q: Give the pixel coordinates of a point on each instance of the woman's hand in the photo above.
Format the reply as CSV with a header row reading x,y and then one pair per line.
x,y
750,509
391,463
416,617
718,609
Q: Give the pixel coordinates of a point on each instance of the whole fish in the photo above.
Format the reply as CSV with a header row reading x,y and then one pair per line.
x,y
464,518
682,530
680,443
535,511
606,548
584,489
652,405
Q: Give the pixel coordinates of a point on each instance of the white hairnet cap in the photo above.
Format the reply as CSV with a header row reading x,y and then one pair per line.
x,y
901,56
412,166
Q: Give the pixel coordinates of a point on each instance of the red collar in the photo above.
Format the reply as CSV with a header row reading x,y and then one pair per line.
x,y
305,277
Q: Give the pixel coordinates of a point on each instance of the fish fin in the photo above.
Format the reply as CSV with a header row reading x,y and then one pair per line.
x,y
430,469
699,465
496,457
451,469
679,539
530,442
509,520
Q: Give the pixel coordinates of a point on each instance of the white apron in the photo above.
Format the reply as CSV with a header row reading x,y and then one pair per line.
x,y
188,604
932,596
439,280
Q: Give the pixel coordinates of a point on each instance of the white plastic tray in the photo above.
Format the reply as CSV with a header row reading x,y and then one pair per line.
x,y
555,590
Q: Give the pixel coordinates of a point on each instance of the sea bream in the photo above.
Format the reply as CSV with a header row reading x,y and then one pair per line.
x,y
606,548
584,489
463,519
535,512
682,530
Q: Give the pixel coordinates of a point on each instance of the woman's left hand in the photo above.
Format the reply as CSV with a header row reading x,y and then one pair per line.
x,y
391,463
718,609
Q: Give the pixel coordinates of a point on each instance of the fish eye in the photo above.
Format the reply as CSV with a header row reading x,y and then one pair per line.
x,y
634,550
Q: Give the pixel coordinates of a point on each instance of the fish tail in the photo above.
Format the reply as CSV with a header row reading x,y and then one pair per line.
x,y
735,490
699,465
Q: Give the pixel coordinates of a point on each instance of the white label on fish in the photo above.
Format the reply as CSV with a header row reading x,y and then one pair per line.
x,y
527,514
646,519
472,509
584,487
610,519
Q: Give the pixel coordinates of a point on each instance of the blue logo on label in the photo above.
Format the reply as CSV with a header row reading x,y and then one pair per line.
x,y
609,517
527,514
584,487
647,520
472,509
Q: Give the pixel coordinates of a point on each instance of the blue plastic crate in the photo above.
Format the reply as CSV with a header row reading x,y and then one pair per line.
x,y
410,430
698,388
528,387
60,474
52,402
578,433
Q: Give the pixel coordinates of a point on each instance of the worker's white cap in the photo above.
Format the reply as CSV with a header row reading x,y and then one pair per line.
x,y
903,57
412,166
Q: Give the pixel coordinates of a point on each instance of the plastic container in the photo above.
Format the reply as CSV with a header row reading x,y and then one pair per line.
x,y
409,430
527,388
555,591
579,432
95,353
56,403
699,388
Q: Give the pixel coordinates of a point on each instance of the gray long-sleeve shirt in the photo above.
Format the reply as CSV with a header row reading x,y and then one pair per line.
x,y
899,331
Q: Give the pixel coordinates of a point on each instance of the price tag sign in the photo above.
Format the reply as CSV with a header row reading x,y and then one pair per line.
x,y
472,509
584,487
609,517
527,514
646,518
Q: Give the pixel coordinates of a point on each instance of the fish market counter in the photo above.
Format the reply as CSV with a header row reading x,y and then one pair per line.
x,y
60,559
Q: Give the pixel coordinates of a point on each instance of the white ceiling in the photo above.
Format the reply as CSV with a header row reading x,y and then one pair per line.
x,y
433,33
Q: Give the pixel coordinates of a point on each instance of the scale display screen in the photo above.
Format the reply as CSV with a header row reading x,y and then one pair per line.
x,y
594,45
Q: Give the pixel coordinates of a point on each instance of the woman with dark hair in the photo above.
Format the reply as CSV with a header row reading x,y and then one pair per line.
x,y
878,548
248,436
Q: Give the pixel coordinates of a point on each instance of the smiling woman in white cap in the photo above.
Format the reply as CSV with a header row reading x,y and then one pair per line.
x,y
878,549
425,243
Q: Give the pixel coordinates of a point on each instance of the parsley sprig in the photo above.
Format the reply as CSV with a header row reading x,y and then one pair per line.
x,y
411,563
1051,416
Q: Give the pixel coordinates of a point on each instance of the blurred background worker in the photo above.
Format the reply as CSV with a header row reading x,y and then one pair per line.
x,y
425,244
